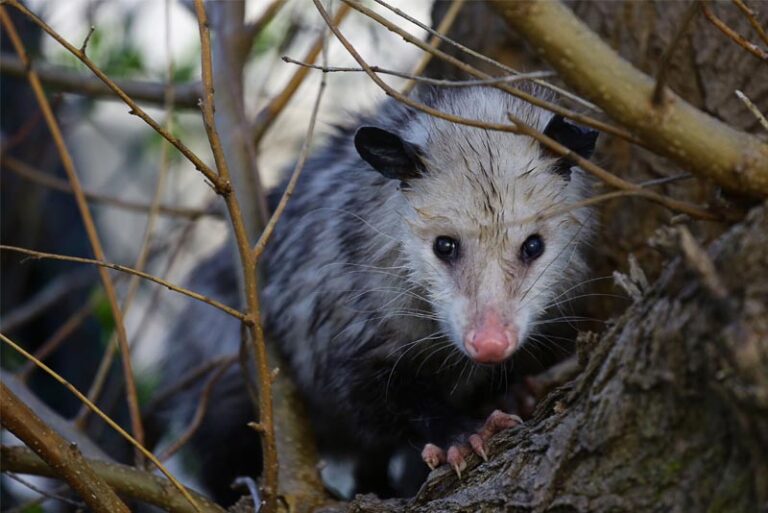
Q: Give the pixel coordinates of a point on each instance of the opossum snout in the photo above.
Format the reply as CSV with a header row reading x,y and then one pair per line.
x,y
491,340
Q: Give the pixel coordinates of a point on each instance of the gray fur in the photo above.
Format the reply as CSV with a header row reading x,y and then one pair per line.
x,y
368,319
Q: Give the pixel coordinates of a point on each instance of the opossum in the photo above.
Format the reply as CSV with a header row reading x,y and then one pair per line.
x,y
412,261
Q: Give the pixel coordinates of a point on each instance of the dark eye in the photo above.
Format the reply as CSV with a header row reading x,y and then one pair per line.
x,y
532,248
446,248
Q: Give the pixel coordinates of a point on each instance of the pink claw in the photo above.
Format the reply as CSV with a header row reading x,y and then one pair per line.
x,y
478,445
456,460
433,456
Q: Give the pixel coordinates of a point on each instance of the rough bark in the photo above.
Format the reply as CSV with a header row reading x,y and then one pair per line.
x,y
670,412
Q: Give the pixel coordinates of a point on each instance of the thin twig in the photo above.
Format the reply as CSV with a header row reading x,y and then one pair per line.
x,y
426,80
682,28
752,108
45,493
484,58
267,115
176,288
219,185
90,227
50,294
128,481
445,25
106,419
20,420
518,128
200,411
752,17
29,173
250,277
65,79
261,244
28,506
732,34
557,109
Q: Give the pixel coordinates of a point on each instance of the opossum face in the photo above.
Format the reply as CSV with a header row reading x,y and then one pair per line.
x,y
476,235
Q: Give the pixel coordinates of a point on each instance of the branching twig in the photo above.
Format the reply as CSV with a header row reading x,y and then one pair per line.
x,y
64,79
752,17
28,172
128,481
698,142
445,25
106,418
250,277
682,28
218,184
176,288
732,34
58,453
426,80
202,408
267,116
518,128
557,109
90,227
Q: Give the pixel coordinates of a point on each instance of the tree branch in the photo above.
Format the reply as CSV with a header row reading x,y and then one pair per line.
x,y
64,79
698,142
128,481
62,456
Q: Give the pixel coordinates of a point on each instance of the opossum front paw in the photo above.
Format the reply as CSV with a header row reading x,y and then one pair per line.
x,y
456,455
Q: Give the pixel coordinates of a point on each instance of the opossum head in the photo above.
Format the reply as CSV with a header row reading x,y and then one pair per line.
x,y
476,234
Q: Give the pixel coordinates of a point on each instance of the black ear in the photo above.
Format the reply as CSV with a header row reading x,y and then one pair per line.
x,y
388,154
578,139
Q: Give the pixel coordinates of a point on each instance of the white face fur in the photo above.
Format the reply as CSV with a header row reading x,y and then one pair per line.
x,y
476,234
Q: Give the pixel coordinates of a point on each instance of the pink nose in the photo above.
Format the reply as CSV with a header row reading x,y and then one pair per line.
x,y
491,341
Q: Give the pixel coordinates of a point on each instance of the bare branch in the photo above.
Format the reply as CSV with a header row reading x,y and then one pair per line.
x,y
128,481
105,418
426,80
661,75
219,185
752,17
752,108
176,288
267,116
58,453
69,81
254,29
90,227
28,172
733,35
698,142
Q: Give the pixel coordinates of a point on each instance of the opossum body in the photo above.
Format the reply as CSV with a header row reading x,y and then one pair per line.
x,y
412,261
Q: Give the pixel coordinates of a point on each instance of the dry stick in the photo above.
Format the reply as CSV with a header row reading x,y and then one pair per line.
x,y
485,58
202,408
29,173
250,277
90,227
108,265
557,109
698,142
445,25
64,79
733,35
128,481
187,380
267,116
104,417
752,108
426,80
261,244
661,75
596,170
218,184
752,17
63,456
141,260
44,493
